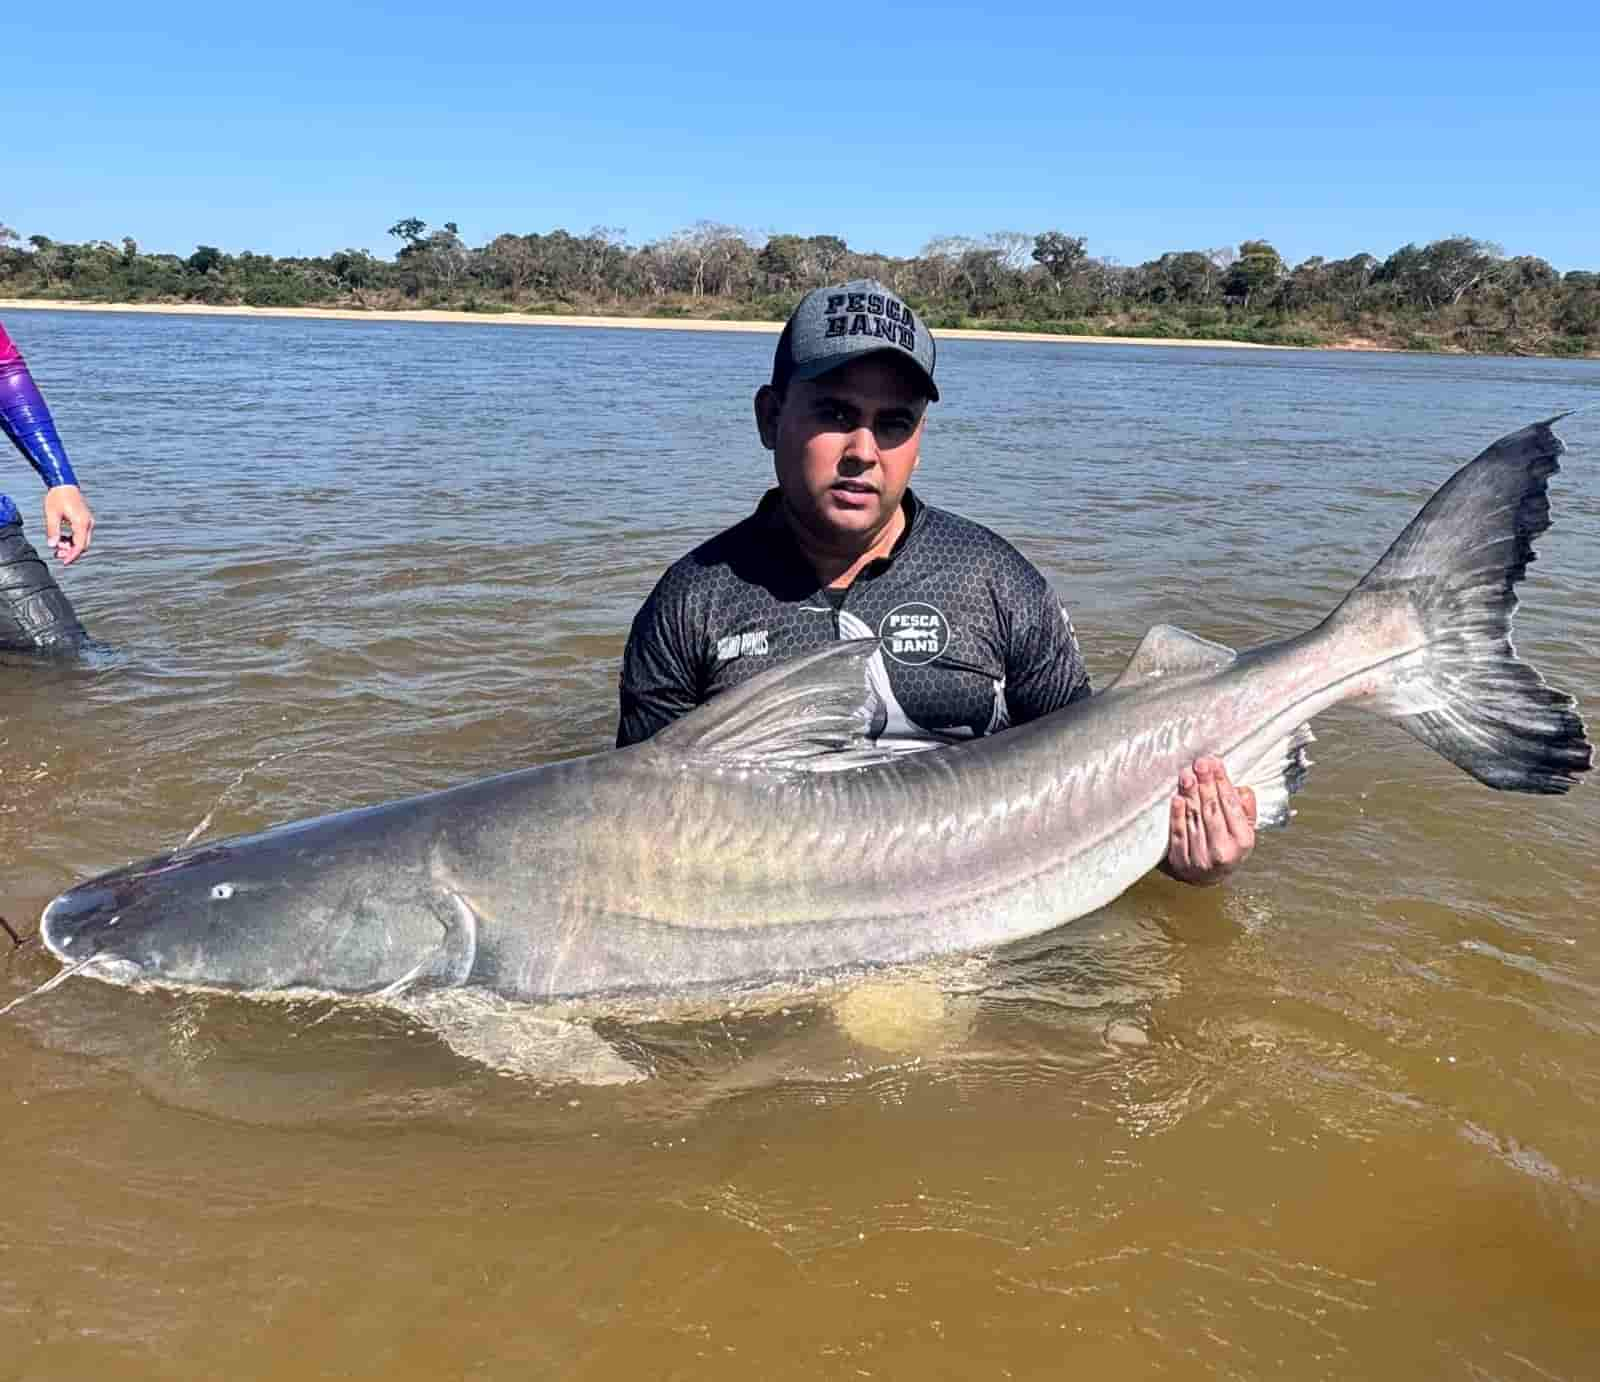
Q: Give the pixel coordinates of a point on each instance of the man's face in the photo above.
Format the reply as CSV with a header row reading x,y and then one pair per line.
x,y
844,447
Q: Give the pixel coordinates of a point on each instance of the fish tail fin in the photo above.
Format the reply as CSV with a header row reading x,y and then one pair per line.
x,y
1445,592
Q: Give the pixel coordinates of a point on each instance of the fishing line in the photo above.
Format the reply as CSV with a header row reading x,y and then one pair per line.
x,y
205,821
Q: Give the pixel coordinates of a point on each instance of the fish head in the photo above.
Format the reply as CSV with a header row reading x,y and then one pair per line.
x,y
266,913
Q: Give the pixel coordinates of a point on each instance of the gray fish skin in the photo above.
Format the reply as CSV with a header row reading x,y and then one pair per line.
x,y
760,840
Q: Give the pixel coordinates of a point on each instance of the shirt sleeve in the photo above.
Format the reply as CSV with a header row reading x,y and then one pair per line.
x,y
1045,669
25,418
660,678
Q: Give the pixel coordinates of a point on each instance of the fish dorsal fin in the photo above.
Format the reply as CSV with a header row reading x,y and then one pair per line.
x,y
1166,652
817,712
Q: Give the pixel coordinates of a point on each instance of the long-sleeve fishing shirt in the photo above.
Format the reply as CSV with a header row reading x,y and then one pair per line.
x,y
25,418
973,638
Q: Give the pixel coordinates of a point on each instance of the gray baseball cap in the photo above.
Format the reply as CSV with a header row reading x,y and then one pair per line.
x,y
833,326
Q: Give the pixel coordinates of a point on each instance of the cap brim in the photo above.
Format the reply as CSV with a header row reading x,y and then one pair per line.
x,y
817,368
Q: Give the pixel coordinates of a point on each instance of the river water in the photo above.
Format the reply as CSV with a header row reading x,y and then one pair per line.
x,y
1338,1119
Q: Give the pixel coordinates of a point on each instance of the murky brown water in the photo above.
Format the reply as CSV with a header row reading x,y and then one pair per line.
x,y
1339,1120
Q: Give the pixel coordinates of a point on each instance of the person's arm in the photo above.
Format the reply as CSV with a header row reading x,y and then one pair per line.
x,y
1045,669
26,419
660,678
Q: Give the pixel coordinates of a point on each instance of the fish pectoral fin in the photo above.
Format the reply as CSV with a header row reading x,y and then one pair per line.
x,y
1278,775
818,711
449,964
458,951
1167,652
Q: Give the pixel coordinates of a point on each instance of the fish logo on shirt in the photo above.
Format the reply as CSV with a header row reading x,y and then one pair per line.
x,y
914,634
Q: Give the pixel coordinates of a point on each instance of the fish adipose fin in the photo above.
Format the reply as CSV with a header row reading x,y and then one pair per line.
x,y
1278,776
816,712
1450,581
1167,652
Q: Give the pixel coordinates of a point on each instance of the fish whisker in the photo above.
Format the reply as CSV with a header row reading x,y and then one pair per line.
x,y
52,982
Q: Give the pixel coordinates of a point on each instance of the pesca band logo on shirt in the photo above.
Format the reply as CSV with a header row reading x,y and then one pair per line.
x,y
871,314
914,634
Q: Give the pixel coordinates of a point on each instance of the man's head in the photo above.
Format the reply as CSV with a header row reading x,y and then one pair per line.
x,y
843,414
833,326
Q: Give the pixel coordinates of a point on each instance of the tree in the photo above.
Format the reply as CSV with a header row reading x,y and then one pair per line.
x,y
709,251
354,269
1254,273
942,256
411,230
1579,312
447,257
780,261
47,258
204,259
511,261
823,256
731,262
1440,273
1012,247
1460,263
1059,255
1348,279
602,254
1182,277
689,250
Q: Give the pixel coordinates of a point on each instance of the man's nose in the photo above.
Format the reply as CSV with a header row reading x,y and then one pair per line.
x,y
862,446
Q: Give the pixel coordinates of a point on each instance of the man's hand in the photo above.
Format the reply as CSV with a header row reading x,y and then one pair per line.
x,y
67,502
1213,825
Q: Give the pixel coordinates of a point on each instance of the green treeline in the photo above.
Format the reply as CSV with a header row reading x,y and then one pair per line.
x,y
1457,294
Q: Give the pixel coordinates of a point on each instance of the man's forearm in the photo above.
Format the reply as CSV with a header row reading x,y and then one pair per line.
x,y
25,418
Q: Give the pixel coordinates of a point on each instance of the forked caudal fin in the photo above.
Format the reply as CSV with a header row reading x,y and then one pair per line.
x,y
1452,575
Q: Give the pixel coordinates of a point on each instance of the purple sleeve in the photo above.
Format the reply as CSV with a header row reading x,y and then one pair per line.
x,y
25,418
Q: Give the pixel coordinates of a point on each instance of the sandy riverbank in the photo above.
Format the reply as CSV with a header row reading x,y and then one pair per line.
x,y
533,319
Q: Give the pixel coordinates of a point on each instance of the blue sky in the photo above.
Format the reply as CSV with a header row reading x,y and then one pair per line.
x,y
298,128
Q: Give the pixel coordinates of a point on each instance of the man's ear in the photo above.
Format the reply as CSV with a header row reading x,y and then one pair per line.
x,y
769,402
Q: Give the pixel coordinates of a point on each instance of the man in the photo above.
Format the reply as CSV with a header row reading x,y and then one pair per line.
x,y
973,639
34,614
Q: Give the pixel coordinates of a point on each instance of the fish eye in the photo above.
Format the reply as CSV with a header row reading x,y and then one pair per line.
x,y
222,892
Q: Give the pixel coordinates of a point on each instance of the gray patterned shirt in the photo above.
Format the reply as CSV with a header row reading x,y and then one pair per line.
x,y
973,638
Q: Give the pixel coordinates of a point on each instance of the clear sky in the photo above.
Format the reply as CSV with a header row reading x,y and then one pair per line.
x,y
299,128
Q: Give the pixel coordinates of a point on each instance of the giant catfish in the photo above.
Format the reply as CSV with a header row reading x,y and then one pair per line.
x,y
763,838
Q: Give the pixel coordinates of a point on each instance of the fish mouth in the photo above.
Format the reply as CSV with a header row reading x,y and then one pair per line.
x,y
80,928
77,923
64,923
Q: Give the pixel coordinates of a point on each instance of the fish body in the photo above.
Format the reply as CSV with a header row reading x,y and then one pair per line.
x,y
763,838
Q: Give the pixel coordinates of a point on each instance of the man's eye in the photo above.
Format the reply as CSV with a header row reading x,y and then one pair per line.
x,y
894,429
835,414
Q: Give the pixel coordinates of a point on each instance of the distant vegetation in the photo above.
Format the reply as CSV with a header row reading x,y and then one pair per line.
x,y
1458,294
